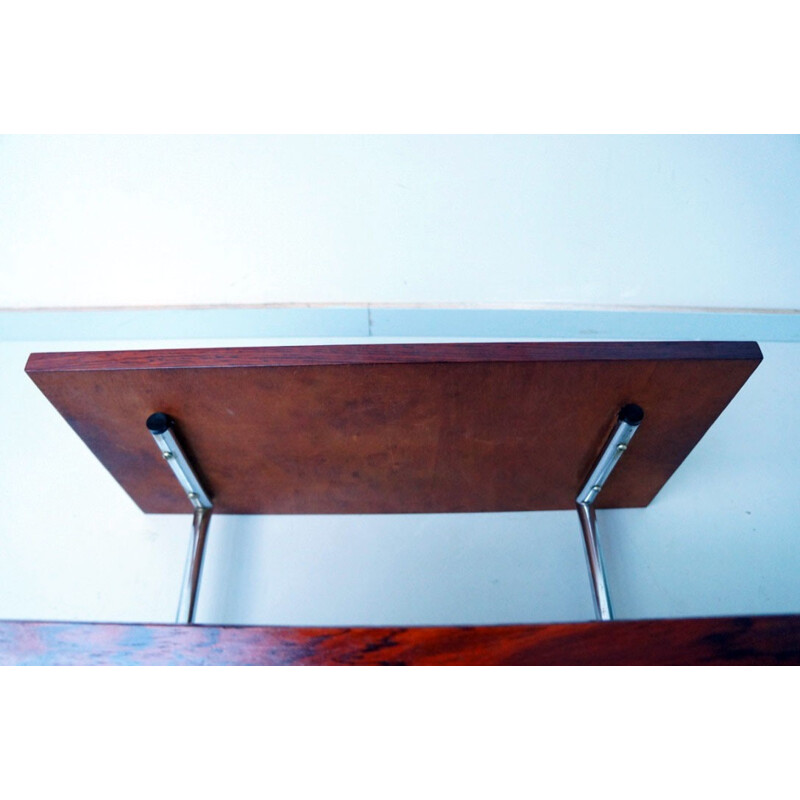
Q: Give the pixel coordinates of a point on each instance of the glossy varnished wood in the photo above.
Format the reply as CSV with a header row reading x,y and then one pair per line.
x,y
395,428
733,640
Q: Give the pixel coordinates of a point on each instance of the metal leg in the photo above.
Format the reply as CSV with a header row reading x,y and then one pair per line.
x,y
193,570
594,560
627,424
161,427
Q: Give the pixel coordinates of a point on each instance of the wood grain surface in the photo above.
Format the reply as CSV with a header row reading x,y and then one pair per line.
x,y
727,640
395,428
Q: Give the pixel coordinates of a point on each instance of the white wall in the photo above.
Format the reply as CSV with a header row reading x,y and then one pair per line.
x,y
692,221
706,222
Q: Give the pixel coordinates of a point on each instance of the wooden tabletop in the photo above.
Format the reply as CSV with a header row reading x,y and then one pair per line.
x,y
395,428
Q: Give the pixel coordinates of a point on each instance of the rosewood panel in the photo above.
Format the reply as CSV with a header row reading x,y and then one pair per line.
x,y
734,640
395,428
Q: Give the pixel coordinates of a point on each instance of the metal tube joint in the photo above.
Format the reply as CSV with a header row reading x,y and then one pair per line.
x,y
161,428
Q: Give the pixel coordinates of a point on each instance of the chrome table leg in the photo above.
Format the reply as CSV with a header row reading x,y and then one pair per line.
x,y
627,424
161,426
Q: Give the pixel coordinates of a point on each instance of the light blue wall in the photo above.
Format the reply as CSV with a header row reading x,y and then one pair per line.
x,y
641,220
356,223
397,322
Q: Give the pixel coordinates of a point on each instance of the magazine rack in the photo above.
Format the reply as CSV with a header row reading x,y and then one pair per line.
x,y
410,428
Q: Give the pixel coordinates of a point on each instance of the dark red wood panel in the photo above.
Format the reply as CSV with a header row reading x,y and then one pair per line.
x,y
731,640
318,355
395,428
